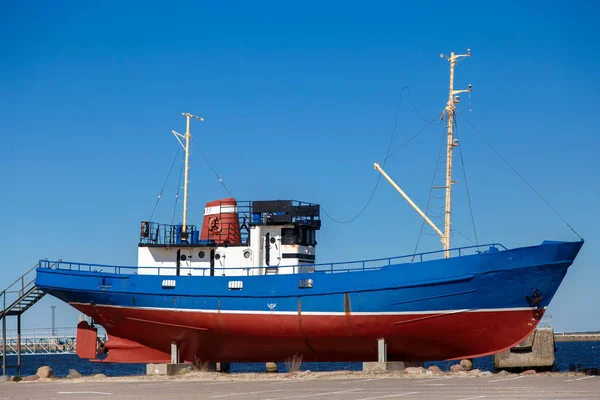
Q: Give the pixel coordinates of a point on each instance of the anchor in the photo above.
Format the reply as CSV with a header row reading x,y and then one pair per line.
x,y
535,301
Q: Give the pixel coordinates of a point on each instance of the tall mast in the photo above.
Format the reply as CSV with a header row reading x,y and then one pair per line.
x,y
449,110
186,148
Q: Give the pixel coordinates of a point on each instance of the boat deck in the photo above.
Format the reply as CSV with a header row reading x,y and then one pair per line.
x,y
334,267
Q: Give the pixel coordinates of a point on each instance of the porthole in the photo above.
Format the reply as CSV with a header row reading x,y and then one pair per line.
x,y
247,254
201,254
217,256
183,257
273,240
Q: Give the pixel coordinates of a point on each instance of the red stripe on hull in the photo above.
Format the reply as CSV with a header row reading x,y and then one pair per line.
x,y
274,337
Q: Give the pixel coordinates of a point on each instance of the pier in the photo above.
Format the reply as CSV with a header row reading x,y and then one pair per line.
x,y
40,341
577,337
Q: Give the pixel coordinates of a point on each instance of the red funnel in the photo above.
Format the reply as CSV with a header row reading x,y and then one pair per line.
x,y
221,222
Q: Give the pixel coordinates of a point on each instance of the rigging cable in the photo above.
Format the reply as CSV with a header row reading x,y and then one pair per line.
x,y
462,163
378,175
177,194
522,178
429,123
388,155
213,170
416,109
361,211
457,231
217,175
435,171
165,184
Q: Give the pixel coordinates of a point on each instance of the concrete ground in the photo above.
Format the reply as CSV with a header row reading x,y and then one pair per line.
x,y
517,387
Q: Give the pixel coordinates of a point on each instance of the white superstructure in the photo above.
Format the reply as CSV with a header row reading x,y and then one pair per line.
x,y
262,237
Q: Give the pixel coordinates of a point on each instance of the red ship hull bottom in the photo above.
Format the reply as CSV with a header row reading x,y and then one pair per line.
x,y
144,335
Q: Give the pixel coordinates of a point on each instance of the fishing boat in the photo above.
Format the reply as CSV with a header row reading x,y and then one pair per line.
x,y
245,286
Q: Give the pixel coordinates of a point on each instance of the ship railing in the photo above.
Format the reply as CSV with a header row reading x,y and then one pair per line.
x,y
335,267
545,322
155,233
378,263
281,212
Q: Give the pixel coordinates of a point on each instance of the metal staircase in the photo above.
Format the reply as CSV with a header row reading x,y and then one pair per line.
x,y
17,298
20,295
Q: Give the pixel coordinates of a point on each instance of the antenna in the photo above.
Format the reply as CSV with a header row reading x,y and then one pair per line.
x,y
470,105
187,136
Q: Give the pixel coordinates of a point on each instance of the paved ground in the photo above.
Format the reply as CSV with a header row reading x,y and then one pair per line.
x,y
512,387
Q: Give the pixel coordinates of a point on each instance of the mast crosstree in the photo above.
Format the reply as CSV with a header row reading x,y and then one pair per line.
x,y
186,147
453,99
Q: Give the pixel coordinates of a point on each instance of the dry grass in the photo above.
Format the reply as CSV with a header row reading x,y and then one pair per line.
x,y
293,363
202,366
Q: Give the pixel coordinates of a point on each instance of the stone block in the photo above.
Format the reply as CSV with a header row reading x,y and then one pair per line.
x,y
223,366
373,366
166,369
536,351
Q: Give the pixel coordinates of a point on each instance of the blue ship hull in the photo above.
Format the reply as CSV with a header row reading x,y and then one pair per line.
x,y
465,306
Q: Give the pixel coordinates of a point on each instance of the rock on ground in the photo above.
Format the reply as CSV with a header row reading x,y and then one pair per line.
x,y
529,372
4,378
414,370
503,373
466,364
271,367
435,369
99,376
73,374
45,372
30,378
456,368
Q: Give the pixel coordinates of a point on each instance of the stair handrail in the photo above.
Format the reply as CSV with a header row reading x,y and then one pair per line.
x,y
23,287
20,279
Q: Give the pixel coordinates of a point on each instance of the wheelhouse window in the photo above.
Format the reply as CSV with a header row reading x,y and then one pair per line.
x,y
301,235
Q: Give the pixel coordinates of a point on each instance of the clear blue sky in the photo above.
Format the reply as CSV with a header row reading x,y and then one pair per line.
x,y
299,101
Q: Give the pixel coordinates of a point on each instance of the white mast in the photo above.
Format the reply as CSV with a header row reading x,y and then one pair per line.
x,y
186,148
449,110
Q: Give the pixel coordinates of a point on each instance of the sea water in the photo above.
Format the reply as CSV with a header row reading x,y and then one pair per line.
x,y
569,355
